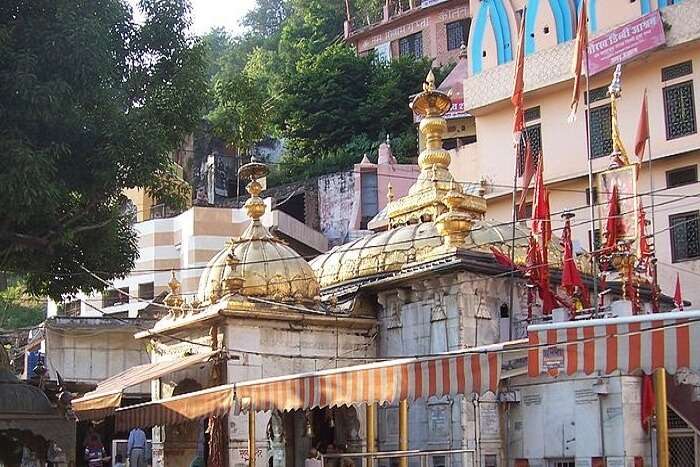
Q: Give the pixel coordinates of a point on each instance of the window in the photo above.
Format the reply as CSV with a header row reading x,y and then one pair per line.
x,y
561,463
595,195
597,94
531,114
676,71
113,297
685,243
457,33
526,214
490,460
146,291
682,176
369,192
597,243
533,134
411,45
679,107
600,127
72,308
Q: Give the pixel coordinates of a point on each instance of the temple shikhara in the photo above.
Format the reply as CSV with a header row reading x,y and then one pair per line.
x,y
442,335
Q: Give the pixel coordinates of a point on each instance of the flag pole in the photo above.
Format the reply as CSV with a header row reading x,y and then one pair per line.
x,y
512,249
591,202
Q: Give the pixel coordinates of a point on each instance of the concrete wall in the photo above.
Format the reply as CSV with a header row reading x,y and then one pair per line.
x,y
557,419
92,355
335,205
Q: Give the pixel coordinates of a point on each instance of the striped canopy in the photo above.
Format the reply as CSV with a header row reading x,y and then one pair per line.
x,y
630,344
384,382
107,396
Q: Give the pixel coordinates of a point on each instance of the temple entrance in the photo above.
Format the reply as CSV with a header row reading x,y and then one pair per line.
x,y
293,435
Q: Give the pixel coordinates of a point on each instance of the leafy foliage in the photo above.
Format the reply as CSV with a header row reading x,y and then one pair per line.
x,y
18,309
92,103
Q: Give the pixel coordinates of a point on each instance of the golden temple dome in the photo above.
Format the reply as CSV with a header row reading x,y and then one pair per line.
x,y
438,218
257,264
392,250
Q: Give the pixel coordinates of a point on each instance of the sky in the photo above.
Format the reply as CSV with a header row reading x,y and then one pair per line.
x,y
208,14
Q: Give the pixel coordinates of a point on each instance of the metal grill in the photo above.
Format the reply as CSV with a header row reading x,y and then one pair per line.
x,y
676,71
533,134
411,45
601,131
456,34
679,106
681,451
597,94
685,235
533,113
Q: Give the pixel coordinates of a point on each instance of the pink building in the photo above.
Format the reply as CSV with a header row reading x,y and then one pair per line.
x,y
427,28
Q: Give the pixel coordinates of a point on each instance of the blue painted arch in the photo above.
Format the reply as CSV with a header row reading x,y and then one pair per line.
x,y
564,19
491,12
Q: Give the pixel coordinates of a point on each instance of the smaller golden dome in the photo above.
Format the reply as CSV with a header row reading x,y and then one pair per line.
x,y
257,264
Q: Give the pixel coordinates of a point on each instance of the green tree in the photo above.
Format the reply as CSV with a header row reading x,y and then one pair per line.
x,y
18,309
267,17
92,103
240,115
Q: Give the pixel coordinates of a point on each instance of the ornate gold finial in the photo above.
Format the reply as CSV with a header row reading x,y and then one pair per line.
x,y
618,156
234,280
254,170
429,84
389,192
425,199
455,224
174,300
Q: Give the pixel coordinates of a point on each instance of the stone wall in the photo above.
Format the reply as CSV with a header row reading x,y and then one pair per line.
x,y
336,205
445,313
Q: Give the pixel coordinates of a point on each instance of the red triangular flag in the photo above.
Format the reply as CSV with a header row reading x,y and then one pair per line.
x,y
648,402
528,172
678,296
502,259
581,50
570,276
540,207
614,228
519,87
640,142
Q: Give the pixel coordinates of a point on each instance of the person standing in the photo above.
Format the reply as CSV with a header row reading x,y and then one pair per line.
x,y
94,452
136,448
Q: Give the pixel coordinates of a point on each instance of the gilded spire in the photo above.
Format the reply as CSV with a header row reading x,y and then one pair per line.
x,y
390,192
255,206
426,198
618,156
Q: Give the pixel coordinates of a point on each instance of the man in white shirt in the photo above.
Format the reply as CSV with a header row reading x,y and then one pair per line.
x,y
136,448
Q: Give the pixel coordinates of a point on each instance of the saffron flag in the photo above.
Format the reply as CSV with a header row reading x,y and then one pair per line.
x,y
648,402
518,87
540,207
570,276
502,259
678,296
581,50
614,228
640,142
528,172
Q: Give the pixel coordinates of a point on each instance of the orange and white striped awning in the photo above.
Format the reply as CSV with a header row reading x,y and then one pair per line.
x,y
629,344
108,395
383,382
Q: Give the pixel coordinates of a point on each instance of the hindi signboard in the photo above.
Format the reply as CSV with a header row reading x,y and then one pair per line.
x,y
624,42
